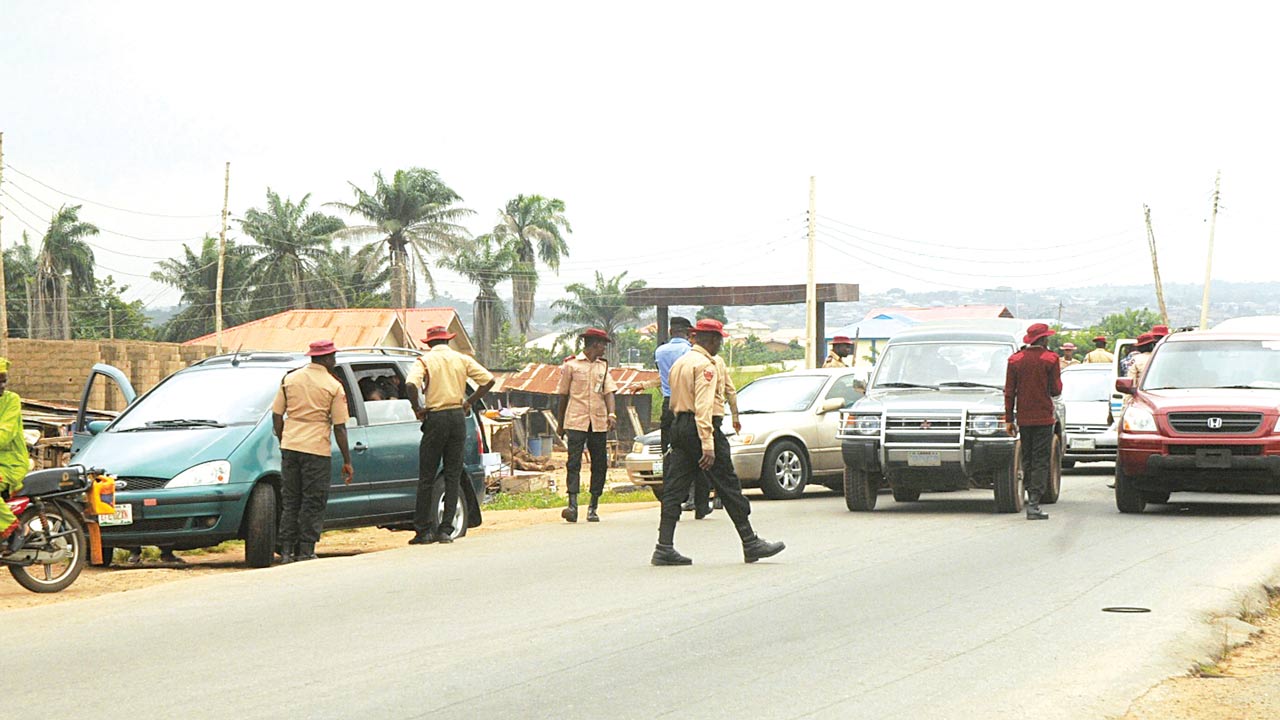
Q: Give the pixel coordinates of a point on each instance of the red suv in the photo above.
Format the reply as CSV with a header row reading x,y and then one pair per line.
x,y
1204,419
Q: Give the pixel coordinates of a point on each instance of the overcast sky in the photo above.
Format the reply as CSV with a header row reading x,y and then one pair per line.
x,y
989,144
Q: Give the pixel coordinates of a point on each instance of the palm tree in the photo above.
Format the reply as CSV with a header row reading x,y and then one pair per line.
x,y
353,279
196,276
416,216
603,306
19,271
290,245
65,263
535,223
486,261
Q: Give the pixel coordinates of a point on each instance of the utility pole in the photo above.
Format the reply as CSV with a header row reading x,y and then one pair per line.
x,y
222,257
1155,266
4,303
111,323
1059,313
1208,265
811,288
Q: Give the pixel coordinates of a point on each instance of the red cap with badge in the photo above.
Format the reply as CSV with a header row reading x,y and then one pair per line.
x,y
321,347
841,340
595,333
708,325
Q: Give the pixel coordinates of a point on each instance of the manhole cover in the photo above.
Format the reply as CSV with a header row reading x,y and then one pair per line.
x,y
1122,609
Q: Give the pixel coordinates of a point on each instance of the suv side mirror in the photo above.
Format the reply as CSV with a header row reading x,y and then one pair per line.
x,y
97,426
830,405
1125,385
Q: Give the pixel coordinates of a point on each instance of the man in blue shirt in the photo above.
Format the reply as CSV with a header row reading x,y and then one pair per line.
x,y
666,355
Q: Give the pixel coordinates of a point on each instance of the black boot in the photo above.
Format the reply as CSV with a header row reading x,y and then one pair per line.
x,y
757,548
592,515
444,537
17,538
306,551
286,554
571,513
1033,508
667,555
423,537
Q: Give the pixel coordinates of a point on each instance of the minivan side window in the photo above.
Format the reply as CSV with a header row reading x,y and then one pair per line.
x,y
381,393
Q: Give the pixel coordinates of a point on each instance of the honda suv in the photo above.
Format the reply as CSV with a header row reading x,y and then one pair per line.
x,y
1203,420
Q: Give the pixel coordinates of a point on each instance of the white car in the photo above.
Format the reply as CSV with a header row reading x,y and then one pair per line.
x,y
1091,419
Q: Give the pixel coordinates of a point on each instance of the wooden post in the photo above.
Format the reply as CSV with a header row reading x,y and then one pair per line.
x,y
222,253
1208,264
810,289
4,300
111,323
820,335
1155,266
664,319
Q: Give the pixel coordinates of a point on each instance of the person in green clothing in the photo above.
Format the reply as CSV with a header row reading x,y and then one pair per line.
x,y
14,462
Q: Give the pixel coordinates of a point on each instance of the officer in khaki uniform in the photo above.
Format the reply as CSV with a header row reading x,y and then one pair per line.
x,y
841,348
726,394
1099,352
586,415
441,375
310,405
697,445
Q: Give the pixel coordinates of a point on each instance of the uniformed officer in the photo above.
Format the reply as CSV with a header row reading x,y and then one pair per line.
x,y
1068,356
664,357
1099,353
586,415
1146,343
440,375
1033,379
310,405
841,348
697,445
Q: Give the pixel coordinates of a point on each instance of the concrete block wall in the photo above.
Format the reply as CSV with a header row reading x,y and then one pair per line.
x,y
55,370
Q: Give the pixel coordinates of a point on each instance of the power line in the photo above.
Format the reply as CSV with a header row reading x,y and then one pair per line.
x,y
1011,259
105,205
977,249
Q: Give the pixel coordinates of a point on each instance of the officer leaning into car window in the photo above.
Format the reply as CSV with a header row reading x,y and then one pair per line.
x,y
441,375
1032,381
697,445
310,405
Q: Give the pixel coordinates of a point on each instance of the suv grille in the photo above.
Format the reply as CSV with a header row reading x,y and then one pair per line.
x,y
1247,450
653,448
143,483
923,429
1212,423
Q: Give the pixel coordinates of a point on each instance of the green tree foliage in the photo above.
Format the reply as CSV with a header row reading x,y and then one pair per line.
x,y
486,262
290,244
510,351
537,226
753,351
64,267
19,273
1128,324
353,279
105,314
196,277
714,312
415,216
602,306
634,347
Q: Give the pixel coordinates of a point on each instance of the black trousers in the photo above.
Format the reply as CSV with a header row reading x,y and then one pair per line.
x,y
304,495
1037,448
595,442
686,450
443,435
701,493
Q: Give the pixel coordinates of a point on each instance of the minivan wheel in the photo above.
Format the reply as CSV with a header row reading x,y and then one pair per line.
x,y
459,516
1053,488
1128,498
860,489
785,471
260,524
1008,484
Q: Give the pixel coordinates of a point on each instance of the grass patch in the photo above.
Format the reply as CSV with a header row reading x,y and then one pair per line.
x,y
542,499
221,547
742,377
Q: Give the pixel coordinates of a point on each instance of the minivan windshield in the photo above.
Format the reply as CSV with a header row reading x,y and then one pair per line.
x,y
1215,364
205,398
1088,385
789,393
936,364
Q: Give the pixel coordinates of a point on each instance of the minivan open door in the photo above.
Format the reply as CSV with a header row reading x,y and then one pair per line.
x,y
80,431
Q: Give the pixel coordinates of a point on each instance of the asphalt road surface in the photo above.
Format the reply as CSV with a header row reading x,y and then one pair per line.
x,y
935,609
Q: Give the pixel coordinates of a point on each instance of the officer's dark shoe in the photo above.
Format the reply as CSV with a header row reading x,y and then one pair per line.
x,y
306,551
702,512
571,513
757,548
687,506
718,504
423,537
286,555
667,555
1035,513
443,538
592,515
135,557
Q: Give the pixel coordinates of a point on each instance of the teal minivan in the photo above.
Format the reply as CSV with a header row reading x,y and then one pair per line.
x,y
197,463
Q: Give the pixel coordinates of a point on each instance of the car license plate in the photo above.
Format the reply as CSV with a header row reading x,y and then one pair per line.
x,y
657,467
916,458
1082,444
122,516
1213,459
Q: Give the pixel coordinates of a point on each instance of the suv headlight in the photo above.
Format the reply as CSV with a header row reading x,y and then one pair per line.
x,y
986,424
1138,419
637,448
865,424
217,472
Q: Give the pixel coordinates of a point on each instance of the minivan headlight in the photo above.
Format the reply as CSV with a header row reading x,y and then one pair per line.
x,y
217,472
1138,419
985,424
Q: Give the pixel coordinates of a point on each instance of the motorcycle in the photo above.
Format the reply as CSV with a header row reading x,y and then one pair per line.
x,y
58,509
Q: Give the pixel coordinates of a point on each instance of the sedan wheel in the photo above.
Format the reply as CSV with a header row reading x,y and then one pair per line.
x,y
785,471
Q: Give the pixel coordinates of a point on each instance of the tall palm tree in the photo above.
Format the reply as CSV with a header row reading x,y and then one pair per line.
x,y
603,306
19,271
353,279
416,215
290,245
65,264
536,223
196,276
486,261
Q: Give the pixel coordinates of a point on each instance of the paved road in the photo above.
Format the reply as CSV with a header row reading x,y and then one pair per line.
x,y
925,610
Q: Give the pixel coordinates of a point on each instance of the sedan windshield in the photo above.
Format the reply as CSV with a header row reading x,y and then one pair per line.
x,y
205,398
1088,385
932,365
1215,364
791,393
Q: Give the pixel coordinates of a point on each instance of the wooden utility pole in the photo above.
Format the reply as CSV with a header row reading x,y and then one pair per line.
x,y
111,323
4,304
1208,265
222,257
1155,266
811,339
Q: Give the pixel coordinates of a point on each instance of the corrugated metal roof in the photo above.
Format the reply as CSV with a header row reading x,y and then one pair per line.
x,y
545,379
293,330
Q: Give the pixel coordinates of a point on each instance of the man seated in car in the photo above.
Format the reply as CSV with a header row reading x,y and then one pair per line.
x,y
370,390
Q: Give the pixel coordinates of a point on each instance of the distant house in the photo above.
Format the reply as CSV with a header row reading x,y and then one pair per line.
x,y
293,330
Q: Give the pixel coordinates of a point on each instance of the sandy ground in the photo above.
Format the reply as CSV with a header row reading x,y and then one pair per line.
x,y
1243,686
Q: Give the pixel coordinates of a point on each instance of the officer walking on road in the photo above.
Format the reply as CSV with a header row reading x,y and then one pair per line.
x,y
440,375
1032,381
310,405
665,356
697,445
1099,353
841,348
586,415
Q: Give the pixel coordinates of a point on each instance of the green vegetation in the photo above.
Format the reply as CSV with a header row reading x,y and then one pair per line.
x,y
547,499
602,305
536,226
1128,324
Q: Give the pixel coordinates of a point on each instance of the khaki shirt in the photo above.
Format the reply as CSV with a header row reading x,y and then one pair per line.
x,y
444,372
1099,355
312,401
725,391
586,383
834,361
1064,363
1139,368
694,385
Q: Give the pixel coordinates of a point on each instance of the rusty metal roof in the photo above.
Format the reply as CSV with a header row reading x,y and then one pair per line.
x,y
293,330
545,379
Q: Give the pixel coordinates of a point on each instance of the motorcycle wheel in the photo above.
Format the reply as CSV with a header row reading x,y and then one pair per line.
x,y
66,555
